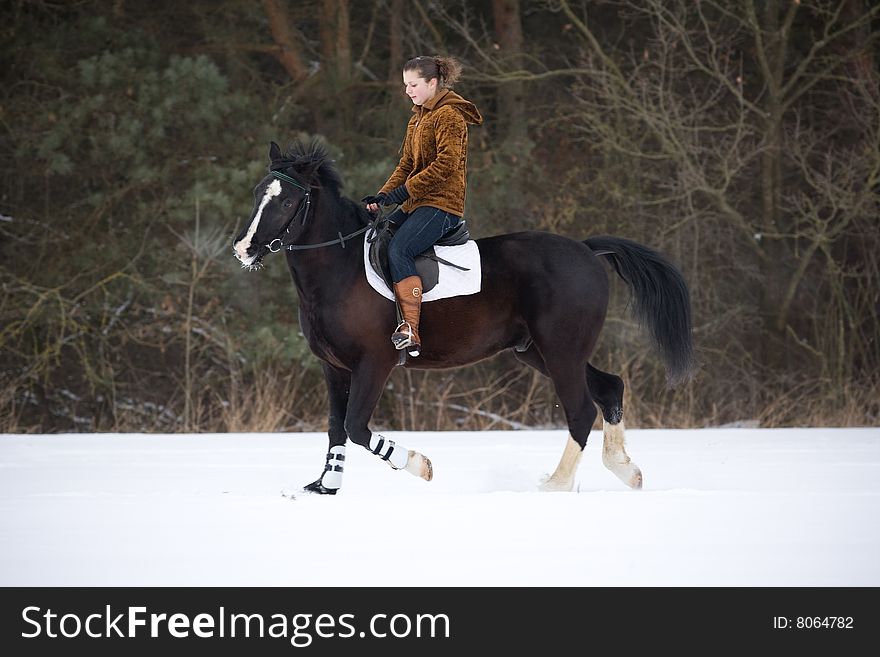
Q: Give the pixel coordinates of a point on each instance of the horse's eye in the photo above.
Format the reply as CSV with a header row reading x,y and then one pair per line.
x,y
287,203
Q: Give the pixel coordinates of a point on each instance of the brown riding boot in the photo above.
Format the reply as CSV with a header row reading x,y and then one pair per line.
x,y
409,298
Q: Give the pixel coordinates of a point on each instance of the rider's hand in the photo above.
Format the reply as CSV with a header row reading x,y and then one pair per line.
x,y
395,197
373,202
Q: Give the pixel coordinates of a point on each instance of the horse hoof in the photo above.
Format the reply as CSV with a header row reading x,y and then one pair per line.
x,y
555,485
627,472
419,465
635,482
318,488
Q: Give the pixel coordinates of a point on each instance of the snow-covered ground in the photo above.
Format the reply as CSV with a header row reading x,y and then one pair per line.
x,y
720,507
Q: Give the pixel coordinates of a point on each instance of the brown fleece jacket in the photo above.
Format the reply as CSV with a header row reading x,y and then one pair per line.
x,y
434,161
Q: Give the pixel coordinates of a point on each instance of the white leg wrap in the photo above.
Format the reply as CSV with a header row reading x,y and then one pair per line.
x,y
615,458
332,477
390,451
563,478
401,458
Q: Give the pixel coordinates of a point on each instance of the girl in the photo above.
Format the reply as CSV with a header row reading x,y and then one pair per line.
x,y
428,183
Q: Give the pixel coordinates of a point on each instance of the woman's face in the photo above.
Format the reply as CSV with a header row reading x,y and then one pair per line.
x,y
417,88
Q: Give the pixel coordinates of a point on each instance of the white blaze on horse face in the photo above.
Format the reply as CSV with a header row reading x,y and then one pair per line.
x,y
241,247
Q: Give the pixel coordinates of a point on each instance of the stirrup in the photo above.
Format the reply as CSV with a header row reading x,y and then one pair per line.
x,y
403,338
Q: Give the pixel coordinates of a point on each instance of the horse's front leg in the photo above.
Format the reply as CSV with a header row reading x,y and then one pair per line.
x,y
338,386
367,382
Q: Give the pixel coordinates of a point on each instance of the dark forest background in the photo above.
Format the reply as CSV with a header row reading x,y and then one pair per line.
x,y
740,138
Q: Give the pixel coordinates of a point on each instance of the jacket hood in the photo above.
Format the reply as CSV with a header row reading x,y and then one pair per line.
x,y
448,97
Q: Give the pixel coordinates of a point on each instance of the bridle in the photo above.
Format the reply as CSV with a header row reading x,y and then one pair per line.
x,y
306,204
303,206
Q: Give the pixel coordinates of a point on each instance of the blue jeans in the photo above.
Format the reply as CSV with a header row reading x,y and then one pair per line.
x,y
418,231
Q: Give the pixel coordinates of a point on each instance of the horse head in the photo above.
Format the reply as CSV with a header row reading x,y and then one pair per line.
x,y
282,200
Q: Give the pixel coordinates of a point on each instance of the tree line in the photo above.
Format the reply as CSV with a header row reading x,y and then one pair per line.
x,y
740,138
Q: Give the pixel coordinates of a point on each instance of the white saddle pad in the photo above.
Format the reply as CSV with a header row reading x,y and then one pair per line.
x,y
452,282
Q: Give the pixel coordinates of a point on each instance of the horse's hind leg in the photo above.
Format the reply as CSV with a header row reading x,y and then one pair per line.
x,y
607,390
580,412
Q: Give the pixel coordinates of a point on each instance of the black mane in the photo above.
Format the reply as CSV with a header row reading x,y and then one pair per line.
x,y
312,156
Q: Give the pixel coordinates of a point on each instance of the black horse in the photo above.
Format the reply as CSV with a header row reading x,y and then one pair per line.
x,y
543,296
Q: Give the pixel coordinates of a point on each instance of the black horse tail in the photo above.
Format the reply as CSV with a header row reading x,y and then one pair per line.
x,y
662,299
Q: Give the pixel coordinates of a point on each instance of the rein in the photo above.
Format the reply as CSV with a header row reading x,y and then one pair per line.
x,y
339,240
342,239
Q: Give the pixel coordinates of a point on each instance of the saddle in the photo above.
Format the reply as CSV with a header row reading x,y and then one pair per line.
x,y
427,263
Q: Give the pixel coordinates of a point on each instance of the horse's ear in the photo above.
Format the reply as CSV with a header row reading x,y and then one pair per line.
x,y
274,152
